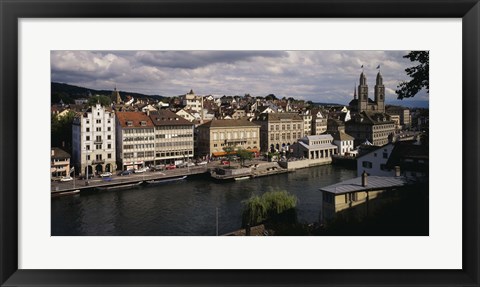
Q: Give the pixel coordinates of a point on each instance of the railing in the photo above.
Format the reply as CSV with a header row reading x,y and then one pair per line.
x,y
97,161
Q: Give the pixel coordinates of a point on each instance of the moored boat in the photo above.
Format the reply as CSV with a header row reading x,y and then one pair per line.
x,y
159,181
121,186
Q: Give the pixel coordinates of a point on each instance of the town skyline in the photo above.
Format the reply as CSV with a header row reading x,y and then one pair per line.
x,y
317,76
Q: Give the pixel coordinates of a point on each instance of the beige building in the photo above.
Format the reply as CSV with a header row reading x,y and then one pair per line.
x,y
319,122
213,136
353,198
173,137
59,163
377,128
279,130
135,140
405,118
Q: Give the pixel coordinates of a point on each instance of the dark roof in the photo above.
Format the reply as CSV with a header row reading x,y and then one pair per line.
x,y
408,150
229,123
373,183
280,116
371,118
341,136
59,153
167,118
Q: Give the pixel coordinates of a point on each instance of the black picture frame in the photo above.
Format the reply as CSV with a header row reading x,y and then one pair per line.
x,y
11,11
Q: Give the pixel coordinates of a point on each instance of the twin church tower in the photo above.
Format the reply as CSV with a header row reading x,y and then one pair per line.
x,y
363,103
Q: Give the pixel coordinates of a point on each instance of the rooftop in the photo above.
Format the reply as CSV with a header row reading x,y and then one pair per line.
x,y
134,120
229,123
373,183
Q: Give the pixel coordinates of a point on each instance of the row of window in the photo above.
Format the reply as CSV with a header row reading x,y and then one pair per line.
x,y
234,135
138,138
98,138
285,136
97,121
173,136
98,129
174,153
169,144
138,146
139,154
137,131
98,146
173,128
99,156
285,127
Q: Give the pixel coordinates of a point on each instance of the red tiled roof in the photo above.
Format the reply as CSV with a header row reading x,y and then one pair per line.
x,y
136,118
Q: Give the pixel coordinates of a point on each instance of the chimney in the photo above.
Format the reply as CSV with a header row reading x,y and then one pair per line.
x,y
364,179
397,171
247,230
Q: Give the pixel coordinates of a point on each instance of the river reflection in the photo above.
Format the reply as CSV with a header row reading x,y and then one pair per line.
x,y
186,207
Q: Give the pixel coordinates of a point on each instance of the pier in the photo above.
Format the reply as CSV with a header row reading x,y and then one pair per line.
x,y
79,185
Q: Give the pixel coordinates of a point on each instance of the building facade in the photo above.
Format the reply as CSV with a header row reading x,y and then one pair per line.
x,y
377,128
173,137
59,163
135,140
93,141
314,147
214,135
279,130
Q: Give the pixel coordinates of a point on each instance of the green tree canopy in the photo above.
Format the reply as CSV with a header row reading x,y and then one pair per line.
x,y
419,75
276,206
244,155
103,100
61,131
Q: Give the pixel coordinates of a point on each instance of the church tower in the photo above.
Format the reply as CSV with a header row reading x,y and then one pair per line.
x,y
362,93
380,94
116,99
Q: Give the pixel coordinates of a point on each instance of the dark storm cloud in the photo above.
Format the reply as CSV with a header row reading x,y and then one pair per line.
x,y
322,76
197,59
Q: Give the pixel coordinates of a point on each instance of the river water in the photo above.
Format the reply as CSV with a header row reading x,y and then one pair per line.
x,y
185,207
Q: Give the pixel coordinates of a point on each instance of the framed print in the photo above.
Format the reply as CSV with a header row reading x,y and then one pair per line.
x,y
52,242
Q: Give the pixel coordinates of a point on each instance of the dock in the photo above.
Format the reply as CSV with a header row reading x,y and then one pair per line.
x,y
121,182
257,170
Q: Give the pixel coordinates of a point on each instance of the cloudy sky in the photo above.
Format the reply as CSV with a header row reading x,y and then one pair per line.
x,y
319,76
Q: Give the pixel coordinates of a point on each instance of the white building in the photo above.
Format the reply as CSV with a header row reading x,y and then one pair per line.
x,y
375,162
314,147
93,141
192,101
343,141
135,140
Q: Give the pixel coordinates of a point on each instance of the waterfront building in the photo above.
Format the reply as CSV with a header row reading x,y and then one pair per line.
x,y
93,140
59,162
173,137
343,141
411,158
375,161
135,140
214,135
314,147
357,198
279,130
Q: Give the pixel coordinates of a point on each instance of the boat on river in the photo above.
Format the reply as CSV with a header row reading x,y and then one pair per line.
x,y
166,180
121,186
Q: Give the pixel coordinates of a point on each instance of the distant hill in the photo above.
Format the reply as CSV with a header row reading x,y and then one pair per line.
x,y
68,93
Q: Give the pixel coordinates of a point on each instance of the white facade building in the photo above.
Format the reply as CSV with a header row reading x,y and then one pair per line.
x,y
375,162
93,141
343,141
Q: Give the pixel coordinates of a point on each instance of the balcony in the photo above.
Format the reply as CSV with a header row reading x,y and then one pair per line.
x,y
97,141
98,161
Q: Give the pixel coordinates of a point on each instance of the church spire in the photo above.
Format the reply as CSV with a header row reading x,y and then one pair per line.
x,y
355,91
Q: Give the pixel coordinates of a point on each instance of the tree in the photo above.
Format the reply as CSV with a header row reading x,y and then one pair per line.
x,y
419,75
244,155
270,97
229,150
61,131
103,100
274,206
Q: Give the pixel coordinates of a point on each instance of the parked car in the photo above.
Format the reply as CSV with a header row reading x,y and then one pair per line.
x,y
190,164
158,167
106,174
183,164
66,178
141,170
202,163
224,162
170,166
125,172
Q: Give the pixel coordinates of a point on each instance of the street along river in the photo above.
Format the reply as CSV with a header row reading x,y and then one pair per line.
x,y
186,207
